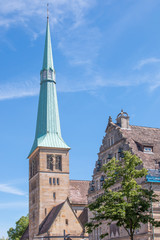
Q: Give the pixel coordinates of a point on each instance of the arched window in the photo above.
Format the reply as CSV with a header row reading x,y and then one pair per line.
x,y
58,164
33,167
50,162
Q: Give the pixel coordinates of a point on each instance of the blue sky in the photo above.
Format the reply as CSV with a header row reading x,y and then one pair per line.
x,y
107,57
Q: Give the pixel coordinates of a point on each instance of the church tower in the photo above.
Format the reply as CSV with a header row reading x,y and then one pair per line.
x,y
49,155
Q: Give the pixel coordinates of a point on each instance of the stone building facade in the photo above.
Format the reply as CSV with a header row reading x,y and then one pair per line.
x,y
56,203
145,143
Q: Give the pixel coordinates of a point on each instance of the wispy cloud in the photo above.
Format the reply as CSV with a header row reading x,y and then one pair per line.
x,y
18,12
99,81
5,188
81,46
19,89
146,61
88,81
13,205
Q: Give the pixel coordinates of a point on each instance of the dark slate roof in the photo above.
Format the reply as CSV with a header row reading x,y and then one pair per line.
x,y
25,235
78,191
83,217
144,136
47,222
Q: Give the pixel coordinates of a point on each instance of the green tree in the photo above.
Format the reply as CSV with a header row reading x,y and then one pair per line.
x,y
17,232
131,204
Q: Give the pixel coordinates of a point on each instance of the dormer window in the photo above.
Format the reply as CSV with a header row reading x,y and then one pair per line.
x,y
148,149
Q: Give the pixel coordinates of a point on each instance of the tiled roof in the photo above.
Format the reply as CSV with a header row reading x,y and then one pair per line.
x,y
78,191
144,136
47,222
83,217
25,235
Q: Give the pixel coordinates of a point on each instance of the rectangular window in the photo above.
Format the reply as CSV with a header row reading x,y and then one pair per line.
x,y
109,142
58,164
54,182
112,140
50,162
109,156
57,181
148,149
54,195
45,211
50,181
66,221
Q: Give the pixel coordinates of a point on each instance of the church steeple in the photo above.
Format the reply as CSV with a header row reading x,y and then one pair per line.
x,y
48,131
48,59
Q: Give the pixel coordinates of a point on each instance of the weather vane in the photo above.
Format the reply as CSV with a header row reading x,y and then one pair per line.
x,y
47,10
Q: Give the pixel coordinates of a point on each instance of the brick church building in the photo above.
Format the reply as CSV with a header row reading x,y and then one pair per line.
x,y
56,203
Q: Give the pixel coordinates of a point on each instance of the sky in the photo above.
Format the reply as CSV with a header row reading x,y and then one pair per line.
x,y
107,58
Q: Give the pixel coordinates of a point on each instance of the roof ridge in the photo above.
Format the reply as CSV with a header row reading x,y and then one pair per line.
x,y
144,127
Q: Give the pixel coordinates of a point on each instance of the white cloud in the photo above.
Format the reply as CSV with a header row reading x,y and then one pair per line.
x,y
146,61
17,11
19,89
11,190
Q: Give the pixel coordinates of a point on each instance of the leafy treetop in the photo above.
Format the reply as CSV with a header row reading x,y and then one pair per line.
x,y
17,232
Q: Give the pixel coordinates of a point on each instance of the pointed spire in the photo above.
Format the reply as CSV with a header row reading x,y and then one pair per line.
x,y
48,58
48,130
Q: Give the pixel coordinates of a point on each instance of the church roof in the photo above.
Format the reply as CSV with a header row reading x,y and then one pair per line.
x,y
48,130
47,222
83,217
78,191
139,137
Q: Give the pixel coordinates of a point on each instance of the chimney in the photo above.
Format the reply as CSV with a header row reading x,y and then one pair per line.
x,y
123,120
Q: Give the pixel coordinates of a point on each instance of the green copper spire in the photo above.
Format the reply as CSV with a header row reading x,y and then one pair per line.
x,y
47,59
48,131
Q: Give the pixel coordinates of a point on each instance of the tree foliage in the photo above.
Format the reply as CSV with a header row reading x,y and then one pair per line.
x,y
131,204
17,232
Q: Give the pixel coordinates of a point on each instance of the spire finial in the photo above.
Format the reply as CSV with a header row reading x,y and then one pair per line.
x,y
47,11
